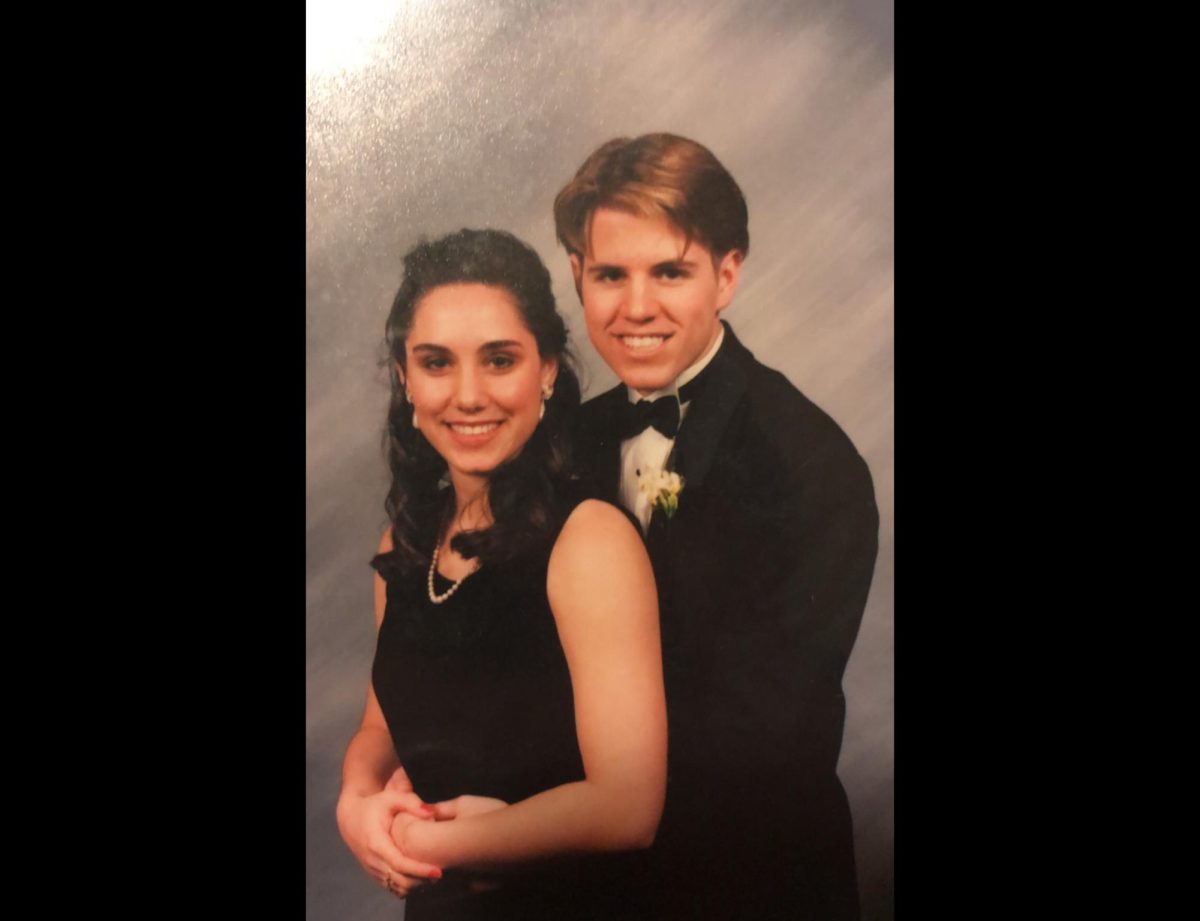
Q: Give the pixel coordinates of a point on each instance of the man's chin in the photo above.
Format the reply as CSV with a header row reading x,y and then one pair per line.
x,y
644,379
645,386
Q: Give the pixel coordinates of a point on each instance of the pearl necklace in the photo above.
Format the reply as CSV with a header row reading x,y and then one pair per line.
x,y
434,596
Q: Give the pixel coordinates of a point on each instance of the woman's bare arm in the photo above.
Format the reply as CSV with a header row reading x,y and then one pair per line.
x,y
375,788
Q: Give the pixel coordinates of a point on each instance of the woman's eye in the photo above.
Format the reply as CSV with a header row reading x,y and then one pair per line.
x,y
434,364
501,361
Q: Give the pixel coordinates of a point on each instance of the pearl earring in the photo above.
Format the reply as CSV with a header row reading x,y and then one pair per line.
x,y
547,393
415,424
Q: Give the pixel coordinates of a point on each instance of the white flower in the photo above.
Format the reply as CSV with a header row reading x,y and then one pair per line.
x,y
662,488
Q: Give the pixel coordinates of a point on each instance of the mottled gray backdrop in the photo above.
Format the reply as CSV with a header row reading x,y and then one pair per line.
x,y
429,115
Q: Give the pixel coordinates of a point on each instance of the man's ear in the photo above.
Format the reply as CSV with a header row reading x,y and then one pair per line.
x,y
729,270
577,272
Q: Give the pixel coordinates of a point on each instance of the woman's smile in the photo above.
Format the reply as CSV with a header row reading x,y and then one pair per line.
x,y
473,434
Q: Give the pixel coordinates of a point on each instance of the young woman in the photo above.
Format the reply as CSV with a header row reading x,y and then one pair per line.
x,y
516,713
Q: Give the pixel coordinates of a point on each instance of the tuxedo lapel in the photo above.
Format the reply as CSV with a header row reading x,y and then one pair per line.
x,y
603,444
707,416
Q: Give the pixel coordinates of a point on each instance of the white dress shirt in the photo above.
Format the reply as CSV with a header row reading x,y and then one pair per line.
x,y
650,449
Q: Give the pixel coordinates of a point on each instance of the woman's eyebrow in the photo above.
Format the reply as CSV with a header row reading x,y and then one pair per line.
x,y
486,347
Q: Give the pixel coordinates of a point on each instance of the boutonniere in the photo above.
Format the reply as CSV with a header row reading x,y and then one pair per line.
x,y
662,488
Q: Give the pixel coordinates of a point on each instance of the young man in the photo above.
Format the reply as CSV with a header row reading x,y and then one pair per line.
x,y
763,546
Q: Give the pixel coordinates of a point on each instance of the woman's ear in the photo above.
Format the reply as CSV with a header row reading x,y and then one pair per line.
x,y
549,373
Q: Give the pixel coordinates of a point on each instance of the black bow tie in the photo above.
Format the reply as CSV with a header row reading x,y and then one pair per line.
x,y
662,413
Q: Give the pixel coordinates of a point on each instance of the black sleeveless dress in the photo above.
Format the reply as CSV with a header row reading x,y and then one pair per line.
x,y
477,697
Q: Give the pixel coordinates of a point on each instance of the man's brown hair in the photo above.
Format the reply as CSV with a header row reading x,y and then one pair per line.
x,y
655,174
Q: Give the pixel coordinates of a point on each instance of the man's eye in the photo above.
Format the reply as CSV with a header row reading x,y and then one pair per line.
x,y
671,273
608,275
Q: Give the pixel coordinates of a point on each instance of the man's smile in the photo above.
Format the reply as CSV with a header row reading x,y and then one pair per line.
x,y
643,342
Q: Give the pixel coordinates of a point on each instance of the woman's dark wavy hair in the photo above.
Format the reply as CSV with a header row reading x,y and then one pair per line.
x,y
522,490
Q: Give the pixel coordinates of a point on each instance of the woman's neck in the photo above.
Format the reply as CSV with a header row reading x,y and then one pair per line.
x,y
471,509
470,513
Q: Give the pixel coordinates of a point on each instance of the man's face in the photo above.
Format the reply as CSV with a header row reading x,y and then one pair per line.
x,y
651,306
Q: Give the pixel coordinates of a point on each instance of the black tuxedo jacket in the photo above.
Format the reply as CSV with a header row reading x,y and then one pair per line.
x,y
762,576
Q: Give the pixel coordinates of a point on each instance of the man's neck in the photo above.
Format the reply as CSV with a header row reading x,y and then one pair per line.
x,y
688,374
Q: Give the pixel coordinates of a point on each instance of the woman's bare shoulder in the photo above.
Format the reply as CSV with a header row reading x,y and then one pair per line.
x,y
594,522
599,548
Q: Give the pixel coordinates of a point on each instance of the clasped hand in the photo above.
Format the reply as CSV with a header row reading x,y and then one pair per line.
x,y
376,829
407,827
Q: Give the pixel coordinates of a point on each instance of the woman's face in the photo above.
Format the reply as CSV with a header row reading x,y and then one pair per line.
x,y
474,376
